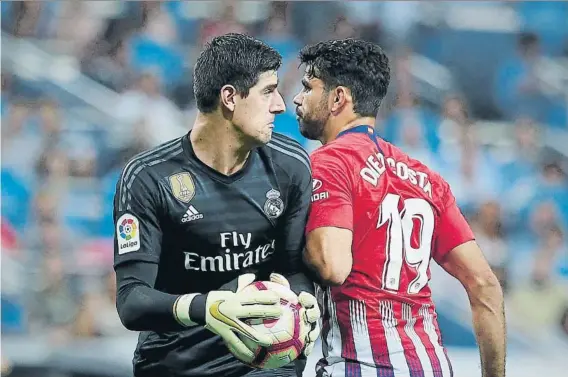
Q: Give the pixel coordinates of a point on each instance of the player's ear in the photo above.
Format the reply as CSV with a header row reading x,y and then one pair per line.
x,y
228,94
341,97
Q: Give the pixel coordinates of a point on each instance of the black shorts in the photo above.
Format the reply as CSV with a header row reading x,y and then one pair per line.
x,y
287,371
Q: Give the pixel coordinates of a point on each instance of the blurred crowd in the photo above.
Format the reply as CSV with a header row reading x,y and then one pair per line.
x,y
60,165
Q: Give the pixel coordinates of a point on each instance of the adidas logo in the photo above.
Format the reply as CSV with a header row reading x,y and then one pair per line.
x,y
191,214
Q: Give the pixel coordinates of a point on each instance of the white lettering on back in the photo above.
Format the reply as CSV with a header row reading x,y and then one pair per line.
x,y
375,167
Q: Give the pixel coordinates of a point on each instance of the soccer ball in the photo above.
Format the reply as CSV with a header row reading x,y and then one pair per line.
x,y
289,331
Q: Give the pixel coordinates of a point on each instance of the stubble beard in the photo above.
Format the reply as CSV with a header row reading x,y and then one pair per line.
x,y
312,127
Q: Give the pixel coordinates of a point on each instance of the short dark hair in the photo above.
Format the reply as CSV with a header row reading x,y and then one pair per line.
x,y
527,39
231,59
361,66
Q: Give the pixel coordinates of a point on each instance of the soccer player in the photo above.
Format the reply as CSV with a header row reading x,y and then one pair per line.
x,y
202,216
377,218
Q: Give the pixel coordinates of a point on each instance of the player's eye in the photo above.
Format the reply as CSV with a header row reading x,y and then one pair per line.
x,y
270,89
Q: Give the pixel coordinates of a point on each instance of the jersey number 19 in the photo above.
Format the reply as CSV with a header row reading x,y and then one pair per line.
x,y
401,226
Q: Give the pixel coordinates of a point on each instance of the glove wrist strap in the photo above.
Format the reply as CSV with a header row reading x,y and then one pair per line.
x,y
197,309
181,309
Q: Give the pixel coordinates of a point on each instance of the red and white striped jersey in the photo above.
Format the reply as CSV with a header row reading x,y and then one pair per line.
x,y
402,215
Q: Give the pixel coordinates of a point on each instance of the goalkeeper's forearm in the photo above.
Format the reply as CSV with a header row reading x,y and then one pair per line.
x,y
143,308
146,309
489,325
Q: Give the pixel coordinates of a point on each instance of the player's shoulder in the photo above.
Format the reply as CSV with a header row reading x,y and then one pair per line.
x,y
151,161
287,152
390,150
439,187
339,152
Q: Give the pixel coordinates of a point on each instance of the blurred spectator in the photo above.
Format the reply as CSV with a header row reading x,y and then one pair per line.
x,y
155,48
25,18
519,89
5,366
72,13
549,20
489,234
4,92
18,134
112,70
410,126
552,190
455,118
564,321
53,307
312,22
541,301
370,26
471,171
527,152
150,117
343,29
225,22
278,34
97,315
520,170
9,238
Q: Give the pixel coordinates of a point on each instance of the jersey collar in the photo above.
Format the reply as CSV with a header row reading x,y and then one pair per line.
x,y
363,129
212,173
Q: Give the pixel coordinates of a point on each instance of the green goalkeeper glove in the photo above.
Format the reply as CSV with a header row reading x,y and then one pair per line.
x,y
224,310
221,313
311,313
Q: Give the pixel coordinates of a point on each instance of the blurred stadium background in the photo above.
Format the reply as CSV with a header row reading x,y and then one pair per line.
x,y
480,93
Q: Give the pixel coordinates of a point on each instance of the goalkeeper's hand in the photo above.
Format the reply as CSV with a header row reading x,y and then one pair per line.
x,y
311,312
224,310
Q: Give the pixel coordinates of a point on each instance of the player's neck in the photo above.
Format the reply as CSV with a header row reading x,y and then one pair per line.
x,y
334,129
216,144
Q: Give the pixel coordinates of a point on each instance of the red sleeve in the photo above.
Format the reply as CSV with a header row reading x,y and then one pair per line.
x,y
452,230
332,203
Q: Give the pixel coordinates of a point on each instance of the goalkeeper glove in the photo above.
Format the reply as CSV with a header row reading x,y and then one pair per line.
x,y
224,310
311,312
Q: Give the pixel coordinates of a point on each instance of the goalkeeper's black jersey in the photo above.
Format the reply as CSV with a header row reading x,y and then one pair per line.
x,y
201,229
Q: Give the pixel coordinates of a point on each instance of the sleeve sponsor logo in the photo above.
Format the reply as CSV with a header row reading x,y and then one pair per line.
x,y
128,233
317,185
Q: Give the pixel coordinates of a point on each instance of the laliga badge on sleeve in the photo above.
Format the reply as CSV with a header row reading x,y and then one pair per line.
x,y
128,233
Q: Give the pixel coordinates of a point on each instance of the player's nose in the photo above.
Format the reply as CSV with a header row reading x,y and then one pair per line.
x,y
298,99
277,105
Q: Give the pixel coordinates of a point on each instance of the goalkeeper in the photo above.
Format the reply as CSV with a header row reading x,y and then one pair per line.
x,y
202,216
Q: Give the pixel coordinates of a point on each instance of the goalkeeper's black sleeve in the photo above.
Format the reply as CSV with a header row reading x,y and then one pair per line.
x,y
141,307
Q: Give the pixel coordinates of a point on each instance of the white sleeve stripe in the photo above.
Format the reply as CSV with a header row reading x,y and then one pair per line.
x,y
291,154
135,168
287,143
138,159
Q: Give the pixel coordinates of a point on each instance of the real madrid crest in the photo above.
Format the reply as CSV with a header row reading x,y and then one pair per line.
x,y
274,206
182,186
